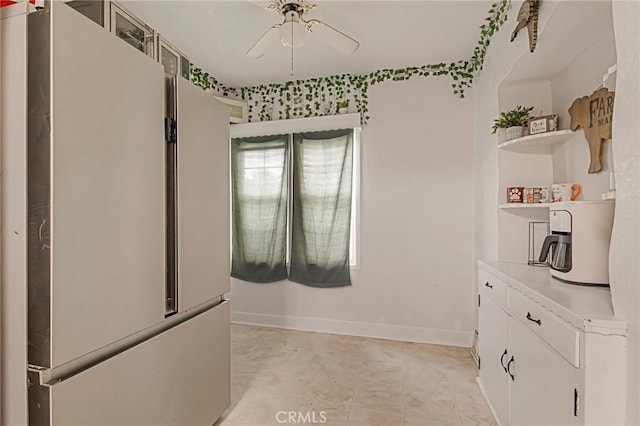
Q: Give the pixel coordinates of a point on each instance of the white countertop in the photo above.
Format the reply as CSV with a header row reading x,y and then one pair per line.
x,y
587,308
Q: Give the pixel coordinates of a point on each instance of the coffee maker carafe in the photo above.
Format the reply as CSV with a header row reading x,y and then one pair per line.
x,y
578,247
559,243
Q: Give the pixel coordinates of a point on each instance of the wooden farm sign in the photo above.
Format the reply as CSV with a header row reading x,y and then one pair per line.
x,y
594,114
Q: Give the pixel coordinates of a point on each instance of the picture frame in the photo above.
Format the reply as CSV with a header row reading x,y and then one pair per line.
x,y
237,109
543,124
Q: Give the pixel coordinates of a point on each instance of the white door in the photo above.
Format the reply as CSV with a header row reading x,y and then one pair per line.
x,y
203,196
494,322
103,217
544,388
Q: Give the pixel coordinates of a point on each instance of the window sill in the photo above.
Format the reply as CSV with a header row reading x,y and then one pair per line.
x,y
295,125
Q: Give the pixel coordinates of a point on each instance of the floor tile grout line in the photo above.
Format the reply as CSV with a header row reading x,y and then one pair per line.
x,y
457,404
364,344
404,393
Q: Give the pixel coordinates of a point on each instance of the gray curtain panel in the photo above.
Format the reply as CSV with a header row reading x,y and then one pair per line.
x,y
259,208
322,175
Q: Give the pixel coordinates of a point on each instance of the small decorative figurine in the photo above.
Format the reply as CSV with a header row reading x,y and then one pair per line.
x,y
528,17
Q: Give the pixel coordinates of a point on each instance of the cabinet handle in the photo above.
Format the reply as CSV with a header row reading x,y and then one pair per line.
x,y
532,319
488,285
509,368
502,361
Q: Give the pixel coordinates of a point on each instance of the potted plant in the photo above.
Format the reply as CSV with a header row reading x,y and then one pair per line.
x,y
342,106
513,121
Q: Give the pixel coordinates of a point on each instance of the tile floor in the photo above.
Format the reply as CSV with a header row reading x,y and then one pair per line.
x,y
329,379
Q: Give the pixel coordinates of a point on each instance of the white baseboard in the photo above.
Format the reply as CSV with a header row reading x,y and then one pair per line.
x,y
484,394
353,328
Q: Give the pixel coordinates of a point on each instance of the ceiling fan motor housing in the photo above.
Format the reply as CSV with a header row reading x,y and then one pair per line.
x,y
287,8
299,6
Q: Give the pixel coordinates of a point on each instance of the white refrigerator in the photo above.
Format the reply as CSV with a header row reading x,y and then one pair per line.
x,y
121,196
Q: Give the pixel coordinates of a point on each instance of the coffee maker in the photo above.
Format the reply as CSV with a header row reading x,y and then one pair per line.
x,y
578,246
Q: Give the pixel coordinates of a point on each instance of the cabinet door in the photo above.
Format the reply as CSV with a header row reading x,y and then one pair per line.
x,y
494,323
131,30
543,391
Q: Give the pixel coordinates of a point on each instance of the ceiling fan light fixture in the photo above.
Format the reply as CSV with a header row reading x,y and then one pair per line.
x,y
292,31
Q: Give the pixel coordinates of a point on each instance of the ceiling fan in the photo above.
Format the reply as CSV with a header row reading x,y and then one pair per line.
x,y
292,31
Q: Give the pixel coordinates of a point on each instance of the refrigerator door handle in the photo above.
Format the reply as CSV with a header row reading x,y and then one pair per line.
x,y
171,139
51,376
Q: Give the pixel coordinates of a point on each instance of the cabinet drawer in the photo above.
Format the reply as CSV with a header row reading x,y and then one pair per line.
x,y
558,334
490,285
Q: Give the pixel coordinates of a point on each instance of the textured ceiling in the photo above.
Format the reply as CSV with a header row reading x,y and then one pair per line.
x,y
216,34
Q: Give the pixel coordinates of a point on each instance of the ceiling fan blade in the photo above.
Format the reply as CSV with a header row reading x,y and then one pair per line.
x,y
270,37
262,4
333,37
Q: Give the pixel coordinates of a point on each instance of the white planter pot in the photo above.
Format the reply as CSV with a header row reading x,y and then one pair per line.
x,y
513,132
343,110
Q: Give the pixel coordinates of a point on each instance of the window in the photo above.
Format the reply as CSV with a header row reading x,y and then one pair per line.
x,y
298,208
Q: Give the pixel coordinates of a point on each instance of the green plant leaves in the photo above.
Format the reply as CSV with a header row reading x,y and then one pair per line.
x,y
264,100
515,117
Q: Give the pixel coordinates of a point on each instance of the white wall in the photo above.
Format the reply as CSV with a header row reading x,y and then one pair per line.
x,y
498,63
536,94
415,280
581,78
625,244
522,169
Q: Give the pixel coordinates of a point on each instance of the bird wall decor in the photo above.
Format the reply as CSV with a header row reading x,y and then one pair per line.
x,y
528,17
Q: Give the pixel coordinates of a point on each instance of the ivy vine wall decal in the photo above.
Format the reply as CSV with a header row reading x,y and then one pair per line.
x,y
319,96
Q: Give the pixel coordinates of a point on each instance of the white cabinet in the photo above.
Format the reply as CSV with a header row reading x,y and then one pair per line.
x,y
494,356
550,353
526,382
545,388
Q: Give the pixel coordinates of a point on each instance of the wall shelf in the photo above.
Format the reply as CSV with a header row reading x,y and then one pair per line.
x,y
524,206
609,79
533,143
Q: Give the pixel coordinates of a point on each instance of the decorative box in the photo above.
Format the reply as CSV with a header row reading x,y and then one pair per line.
x,y
515,194
542,124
